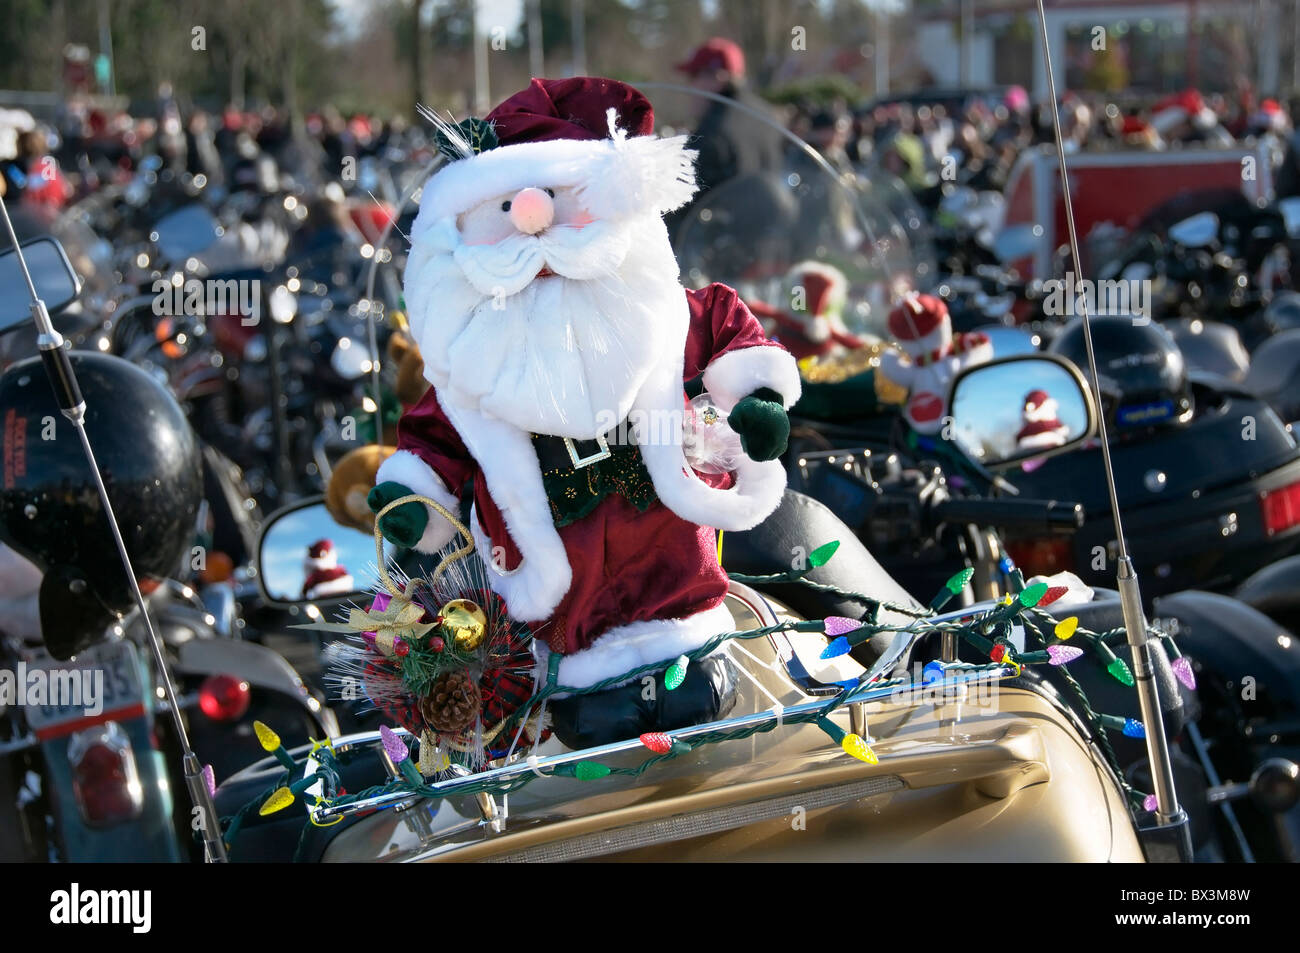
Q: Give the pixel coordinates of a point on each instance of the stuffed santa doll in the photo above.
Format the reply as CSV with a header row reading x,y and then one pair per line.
x,y
544,296
931,357
814,326
1041,428
324,575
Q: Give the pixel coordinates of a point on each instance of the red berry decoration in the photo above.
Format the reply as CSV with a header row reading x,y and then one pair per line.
x,y
401,648
436,643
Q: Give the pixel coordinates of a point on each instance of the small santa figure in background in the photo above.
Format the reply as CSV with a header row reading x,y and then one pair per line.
x,y
1041,428
931,357
325,577
814,325
545,299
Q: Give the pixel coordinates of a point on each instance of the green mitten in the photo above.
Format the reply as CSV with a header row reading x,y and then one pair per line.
x,y
402,525
762,423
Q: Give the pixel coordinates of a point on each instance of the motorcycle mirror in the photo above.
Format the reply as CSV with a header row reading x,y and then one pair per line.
x,y
55,280
304,556
185,232
1019,409
1197,231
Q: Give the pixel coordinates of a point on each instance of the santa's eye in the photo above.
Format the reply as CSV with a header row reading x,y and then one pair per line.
x,y
550,192
505,206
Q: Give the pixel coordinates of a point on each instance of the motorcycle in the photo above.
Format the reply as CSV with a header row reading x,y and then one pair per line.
x,y
918,504
89,770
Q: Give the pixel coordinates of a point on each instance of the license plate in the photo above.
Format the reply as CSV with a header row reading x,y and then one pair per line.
x,y
102,680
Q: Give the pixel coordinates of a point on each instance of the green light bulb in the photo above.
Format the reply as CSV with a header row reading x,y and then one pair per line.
x,y
1119,671
958,582
590,771
676,673
1030,597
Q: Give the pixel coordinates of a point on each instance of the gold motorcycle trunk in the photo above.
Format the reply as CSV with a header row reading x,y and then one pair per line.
x,y
985,772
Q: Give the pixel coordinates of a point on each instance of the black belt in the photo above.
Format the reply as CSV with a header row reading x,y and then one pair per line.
x,y
565,453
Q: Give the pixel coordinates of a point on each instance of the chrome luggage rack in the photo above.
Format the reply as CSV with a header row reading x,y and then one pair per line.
x,y
872,687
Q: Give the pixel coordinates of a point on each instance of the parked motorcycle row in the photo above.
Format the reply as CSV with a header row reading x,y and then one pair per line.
x,y
247,339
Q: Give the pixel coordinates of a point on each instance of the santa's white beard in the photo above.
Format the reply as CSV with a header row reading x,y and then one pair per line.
x,y
563,355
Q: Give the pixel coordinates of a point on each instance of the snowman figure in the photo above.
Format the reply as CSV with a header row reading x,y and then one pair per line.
x,y
324,575
930,356
1041,429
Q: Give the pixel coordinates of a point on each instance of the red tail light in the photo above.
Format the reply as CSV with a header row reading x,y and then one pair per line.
x,y
105,781
224,697
1281,508
1045,556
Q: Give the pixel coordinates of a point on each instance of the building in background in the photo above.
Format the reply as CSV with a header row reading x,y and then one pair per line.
x,y
1156,46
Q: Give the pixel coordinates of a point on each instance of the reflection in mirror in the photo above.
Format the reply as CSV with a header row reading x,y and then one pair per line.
x,y
306,556
185,232
1197,231
55,281
1020,408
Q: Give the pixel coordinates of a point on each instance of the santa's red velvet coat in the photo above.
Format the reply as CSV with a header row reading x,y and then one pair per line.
x,y
627,566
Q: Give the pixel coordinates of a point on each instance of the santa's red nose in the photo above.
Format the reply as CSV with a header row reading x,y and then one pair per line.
x,y
531,211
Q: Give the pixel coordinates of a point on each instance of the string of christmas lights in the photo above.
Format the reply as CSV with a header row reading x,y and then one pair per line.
x,y
988,633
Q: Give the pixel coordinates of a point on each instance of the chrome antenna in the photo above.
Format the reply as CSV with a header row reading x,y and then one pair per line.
x,y
1168,813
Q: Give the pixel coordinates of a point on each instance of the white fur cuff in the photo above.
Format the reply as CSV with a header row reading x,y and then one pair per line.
x,y
409,470
737,374
631,646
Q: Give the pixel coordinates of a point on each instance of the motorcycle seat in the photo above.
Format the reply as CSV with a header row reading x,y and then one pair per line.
x,y
797,527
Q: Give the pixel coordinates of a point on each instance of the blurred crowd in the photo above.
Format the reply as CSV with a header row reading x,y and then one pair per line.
x,y
926,138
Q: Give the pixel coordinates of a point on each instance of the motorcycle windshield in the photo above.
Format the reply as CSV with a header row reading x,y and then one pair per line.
x,y
780,206
90,255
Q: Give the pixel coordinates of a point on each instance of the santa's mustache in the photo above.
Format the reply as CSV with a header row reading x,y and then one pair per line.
x,y
582,253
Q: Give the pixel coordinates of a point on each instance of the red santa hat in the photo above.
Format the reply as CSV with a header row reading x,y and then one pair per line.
x,y
592,134
921,326
321,555
824,286
713,55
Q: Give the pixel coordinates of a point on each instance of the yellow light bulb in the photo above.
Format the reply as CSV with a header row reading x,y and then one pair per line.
x,y
267,738
855,746
278,801
1065,628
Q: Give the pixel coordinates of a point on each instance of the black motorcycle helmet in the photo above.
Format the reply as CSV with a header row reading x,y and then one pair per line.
x,y
1143,377
50,511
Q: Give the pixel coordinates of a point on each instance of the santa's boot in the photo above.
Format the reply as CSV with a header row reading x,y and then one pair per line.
x,y
616,714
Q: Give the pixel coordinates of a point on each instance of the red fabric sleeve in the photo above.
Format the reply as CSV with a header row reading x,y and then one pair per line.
x,y
425,431
720,322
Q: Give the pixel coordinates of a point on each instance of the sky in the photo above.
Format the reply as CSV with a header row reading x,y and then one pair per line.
x,y
507,13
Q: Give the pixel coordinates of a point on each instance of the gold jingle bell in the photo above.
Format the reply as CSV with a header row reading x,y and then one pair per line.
x,y
465,622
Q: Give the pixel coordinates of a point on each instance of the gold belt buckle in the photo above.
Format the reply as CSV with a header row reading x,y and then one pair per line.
x,y
601,454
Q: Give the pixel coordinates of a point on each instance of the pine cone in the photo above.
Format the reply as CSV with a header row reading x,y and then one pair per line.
x,y
452,703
